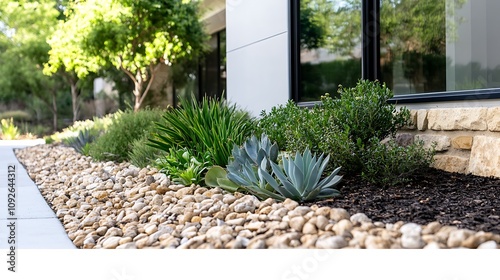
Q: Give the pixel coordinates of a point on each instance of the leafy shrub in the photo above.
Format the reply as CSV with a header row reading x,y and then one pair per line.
x,y
142,155
183,167
298,177
96,126
390,164
212,127
339,126
278,121
365,113
9,129
116,143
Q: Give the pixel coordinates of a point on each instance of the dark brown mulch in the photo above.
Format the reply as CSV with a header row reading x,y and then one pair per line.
x,y
465,201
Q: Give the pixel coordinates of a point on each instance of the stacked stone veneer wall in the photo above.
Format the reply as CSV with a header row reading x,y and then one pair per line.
x,y
467,139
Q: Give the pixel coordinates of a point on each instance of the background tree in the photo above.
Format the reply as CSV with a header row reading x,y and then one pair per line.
x,y
134,36
66,55
25,27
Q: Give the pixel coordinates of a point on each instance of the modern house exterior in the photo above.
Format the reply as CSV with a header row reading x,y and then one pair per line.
x,y
440,57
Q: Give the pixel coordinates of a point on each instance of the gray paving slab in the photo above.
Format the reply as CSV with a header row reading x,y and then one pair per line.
x,y
36,225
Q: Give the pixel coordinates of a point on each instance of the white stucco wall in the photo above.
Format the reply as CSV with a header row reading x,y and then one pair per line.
x,y
258,63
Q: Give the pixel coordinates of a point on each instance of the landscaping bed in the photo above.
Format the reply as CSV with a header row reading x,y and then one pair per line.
x,y
465,201
110,205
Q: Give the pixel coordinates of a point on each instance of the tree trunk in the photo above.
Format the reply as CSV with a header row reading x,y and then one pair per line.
x,y
74,100
54,110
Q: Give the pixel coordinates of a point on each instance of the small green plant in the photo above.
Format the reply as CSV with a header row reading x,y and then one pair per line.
x,y
116,143
264,177
278,121
183,167
210,127
142,155
9,129
81,142
365,113
300,176
390,164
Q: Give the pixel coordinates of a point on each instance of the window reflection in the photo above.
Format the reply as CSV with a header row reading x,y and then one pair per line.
x,y
439,45
206,76
330,46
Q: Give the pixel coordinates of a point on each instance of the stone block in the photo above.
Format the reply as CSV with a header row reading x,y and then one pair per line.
x,y
413,121
458,119
485,156
494,119
462,142
422,122
442,142
404,139
451,163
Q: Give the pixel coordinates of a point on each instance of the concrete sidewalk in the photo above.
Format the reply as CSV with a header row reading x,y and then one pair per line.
x,y
37,227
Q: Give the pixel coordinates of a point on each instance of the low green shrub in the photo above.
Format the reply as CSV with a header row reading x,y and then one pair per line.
x,y
116,143
211,127
142,155
390,164
9,130
183,167
96,126
365,113
17,116
339,126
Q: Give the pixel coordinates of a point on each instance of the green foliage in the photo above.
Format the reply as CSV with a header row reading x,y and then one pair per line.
x,y
96,126
116,142
389,164
278,121
9,129
340,126
364,111
133,36
17,116
300,176
81,142
297,178
253,151
142,154
217,177
182,166
212,127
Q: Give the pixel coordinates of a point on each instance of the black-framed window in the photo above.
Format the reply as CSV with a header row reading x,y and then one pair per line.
x,y
205,76
424,50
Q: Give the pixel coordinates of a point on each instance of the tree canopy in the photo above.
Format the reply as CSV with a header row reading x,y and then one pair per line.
x,y
134,36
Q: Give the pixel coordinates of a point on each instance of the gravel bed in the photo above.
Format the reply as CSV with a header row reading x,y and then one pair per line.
x,y
117,205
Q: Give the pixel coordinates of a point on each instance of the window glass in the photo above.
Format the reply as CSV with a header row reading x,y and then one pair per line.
x,y
330,46
439,45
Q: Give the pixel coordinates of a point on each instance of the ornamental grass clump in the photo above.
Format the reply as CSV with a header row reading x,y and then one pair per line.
x,y
211,127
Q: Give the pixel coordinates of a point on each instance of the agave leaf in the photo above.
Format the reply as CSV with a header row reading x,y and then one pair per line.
x,y
227,185
237,179
329,181
263,193
314,176
328,193
269,179
311,195
290,191
251,148
297,177
250,173
273,152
